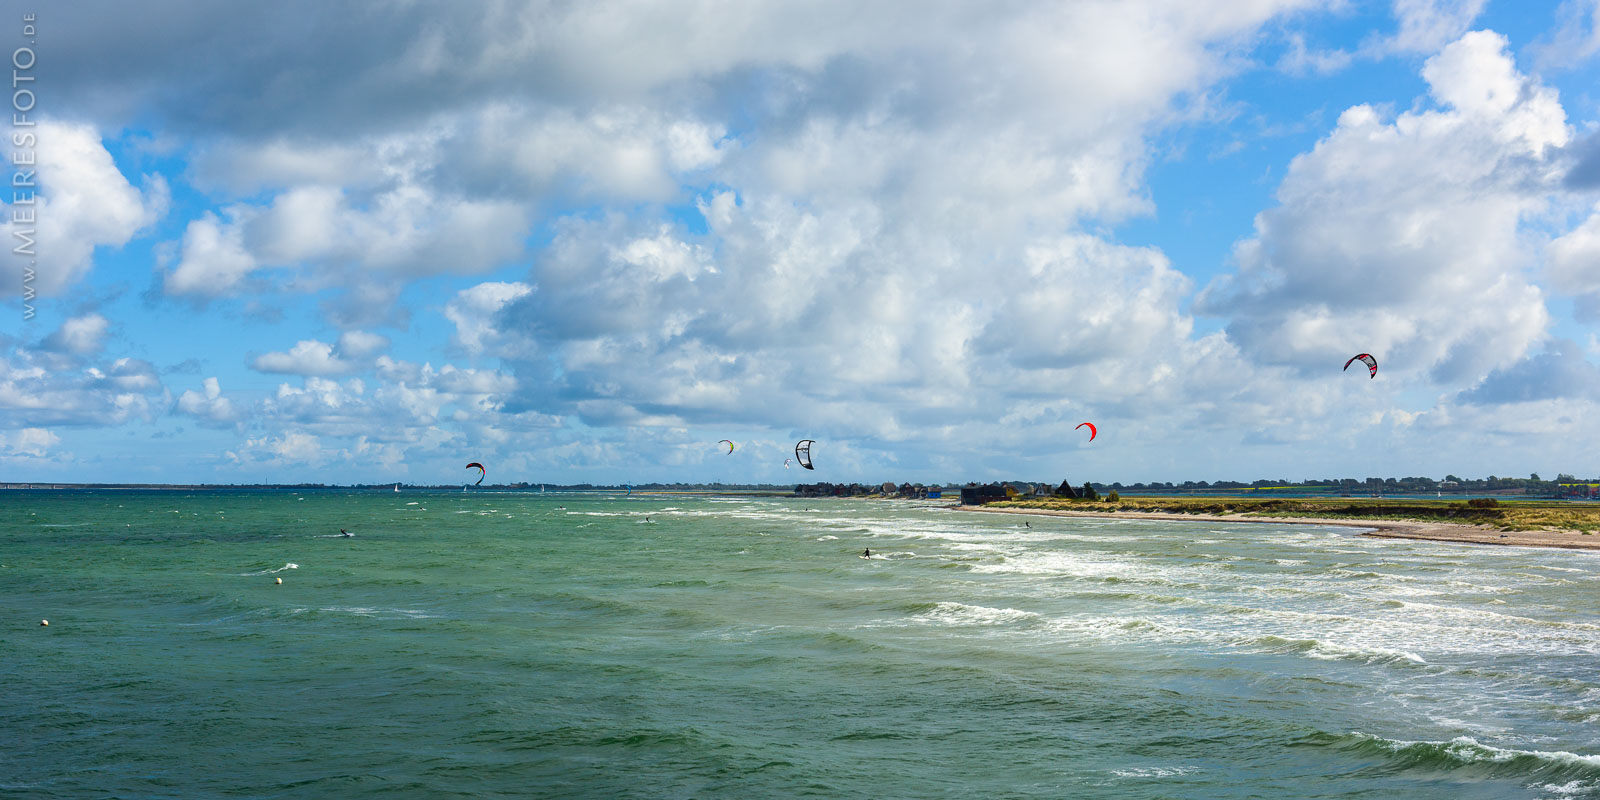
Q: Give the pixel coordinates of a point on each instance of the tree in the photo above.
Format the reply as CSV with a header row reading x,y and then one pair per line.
x,y
1534,477
1088,492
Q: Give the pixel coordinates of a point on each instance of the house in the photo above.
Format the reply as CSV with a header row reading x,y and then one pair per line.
x,y
975,495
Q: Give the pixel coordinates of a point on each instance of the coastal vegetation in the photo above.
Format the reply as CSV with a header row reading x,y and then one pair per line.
x,y
1506,515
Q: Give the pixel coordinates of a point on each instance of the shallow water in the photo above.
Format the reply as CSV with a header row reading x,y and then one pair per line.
x,y
497,645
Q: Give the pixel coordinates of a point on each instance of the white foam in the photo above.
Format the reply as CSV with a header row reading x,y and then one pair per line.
x,y
269,571
1470,750
963,614
382,613
1334,651
1154,772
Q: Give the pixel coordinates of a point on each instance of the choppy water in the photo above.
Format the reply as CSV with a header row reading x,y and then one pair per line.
x,y
478,645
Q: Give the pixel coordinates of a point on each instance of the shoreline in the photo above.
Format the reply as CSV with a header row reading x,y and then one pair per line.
x,y
1454,533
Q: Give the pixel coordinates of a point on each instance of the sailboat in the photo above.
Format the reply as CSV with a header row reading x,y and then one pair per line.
x,y
397,487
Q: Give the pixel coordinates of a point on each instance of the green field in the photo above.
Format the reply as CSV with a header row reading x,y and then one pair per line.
x,y
1507,515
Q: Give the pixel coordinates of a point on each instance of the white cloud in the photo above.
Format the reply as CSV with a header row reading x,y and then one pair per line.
x,y
324,240
292,448
214,259
34,395
27,443
1573,265
209,406
307,357
474,312
1404,238
1576,38
361,344
1427,25
82,335
83,201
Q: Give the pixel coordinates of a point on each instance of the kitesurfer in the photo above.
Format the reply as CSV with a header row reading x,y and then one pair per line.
x,y
345,532
867,553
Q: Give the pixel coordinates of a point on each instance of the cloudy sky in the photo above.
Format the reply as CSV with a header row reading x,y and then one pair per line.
x,y
370,242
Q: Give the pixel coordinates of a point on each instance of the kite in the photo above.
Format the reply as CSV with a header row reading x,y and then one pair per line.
x,y
1090,426
1365,358
728,443
787,462
481,472
802,452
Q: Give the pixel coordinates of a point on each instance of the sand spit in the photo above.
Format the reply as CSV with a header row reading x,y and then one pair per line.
x,y
1386,528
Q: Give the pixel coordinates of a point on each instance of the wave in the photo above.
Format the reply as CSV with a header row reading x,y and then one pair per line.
x,y
364,611
1146,630
290,565
963,614
1154,772
1469,758
1334,651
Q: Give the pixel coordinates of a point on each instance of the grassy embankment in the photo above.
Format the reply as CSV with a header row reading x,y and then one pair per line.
x,y
1508,515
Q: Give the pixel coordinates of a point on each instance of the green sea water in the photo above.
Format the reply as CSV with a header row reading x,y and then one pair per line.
x,y
526,645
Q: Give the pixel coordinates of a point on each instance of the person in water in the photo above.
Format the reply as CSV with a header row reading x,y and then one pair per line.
x,y
345,532
867,553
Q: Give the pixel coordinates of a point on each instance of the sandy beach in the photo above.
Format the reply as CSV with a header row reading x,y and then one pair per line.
x,y
1385,528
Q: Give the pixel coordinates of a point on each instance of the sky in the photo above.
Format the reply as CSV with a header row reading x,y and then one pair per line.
x,y
582,242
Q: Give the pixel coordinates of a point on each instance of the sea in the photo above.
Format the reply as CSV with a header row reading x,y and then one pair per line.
x,y
498,645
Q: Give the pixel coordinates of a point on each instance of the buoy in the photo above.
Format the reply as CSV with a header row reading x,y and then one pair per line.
x,y
44,623
279,580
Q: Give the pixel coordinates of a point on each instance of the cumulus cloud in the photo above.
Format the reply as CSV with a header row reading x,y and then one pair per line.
x,y
1561,372
208,406
1403,237
27,443
292,448
83,335
307,357
35,394
361,344
1573,265
214,259
318,234
475,312
82,201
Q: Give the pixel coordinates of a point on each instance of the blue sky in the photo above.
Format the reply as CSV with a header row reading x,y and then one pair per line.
x,y
372,242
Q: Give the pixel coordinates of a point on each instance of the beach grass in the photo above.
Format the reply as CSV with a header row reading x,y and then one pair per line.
x,y
1506,515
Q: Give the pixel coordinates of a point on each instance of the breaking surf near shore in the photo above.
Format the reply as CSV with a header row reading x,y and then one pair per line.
x,y
1384,528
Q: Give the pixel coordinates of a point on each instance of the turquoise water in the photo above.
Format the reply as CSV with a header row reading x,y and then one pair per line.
x,y
496,645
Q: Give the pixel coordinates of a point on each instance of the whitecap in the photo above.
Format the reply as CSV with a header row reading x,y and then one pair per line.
x,y
962,614
290,565
1154,772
